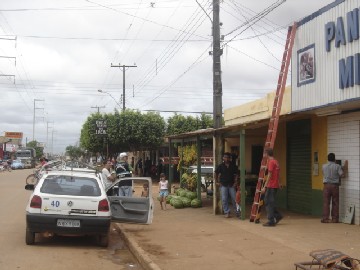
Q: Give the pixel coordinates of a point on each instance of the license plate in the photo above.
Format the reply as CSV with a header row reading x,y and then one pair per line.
x,y
68,223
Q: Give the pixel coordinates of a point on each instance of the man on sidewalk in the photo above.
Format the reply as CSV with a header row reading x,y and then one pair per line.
x,y
332,173
226,177
270,187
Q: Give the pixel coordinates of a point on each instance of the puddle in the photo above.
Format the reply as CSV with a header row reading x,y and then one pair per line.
x,y
119,254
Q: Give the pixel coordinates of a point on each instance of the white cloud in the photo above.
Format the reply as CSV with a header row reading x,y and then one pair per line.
x,y
67,71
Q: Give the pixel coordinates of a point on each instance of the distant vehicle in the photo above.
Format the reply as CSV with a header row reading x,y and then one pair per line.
x,y
207,175
27,156
75,203
17,164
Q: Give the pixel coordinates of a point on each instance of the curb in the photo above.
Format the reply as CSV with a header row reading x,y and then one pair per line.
x,y
137,251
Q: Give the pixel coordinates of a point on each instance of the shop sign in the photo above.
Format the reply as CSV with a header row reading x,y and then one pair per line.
x,y
341,34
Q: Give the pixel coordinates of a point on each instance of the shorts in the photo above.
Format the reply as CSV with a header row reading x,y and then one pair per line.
x,y
164,193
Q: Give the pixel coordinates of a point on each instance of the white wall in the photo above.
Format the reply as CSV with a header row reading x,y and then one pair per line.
x,y
344,141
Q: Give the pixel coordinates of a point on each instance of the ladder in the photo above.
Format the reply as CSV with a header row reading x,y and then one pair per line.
x,y
273,123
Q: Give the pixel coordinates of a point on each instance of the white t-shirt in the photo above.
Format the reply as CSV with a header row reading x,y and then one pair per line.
x,y
163,185
105,174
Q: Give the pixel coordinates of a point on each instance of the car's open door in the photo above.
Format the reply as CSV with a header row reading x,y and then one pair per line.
x,y
137,206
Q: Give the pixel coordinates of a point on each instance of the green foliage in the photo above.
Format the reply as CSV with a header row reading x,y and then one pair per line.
x,y
188,156
189,181
126,131
88,138
74,151
39,150
178,124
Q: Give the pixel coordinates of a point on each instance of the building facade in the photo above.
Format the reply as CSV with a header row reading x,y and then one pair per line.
x,y
326,83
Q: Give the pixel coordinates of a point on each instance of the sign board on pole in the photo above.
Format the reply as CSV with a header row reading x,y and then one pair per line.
x,y
100,127
14,135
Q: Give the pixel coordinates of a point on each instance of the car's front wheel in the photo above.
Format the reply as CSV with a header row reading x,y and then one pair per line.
x,y
103,240
30,237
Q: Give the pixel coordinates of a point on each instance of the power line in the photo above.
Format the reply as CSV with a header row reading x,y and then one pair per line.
x,y
255,19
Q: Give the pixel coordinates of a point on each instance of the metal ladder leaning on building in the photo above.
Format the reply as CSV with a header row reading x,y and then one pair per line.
x,y
273,123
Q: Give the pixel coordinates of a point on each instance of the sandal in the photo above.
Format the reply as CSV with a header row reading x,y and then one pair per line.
x,y
325,221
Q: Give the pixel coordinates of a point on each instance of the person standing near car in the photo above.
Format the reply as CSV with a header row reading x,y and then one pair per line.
x,y
270,187
226,177
123,169
108,177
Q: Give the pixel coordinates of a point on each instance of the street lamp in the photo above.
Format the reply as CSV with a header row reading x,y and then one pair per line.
x,y
101,91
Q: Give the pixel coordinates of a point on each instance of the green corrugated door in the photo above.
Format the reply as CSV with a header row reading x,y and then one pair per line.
x,y
299,166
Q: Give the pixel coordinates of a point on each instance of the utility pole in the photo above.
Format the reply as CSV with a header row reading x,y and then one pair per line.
x,y
98,108
123,67
217,52
47,135
9,57
217,97
35,108
52,142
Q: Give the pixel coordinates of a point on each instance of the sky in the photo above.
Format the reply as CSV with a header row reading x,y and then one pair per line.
x,y
56,54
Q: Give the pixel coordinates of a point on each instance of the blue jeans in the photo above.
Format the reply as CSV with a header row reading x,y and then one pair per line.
x,y
125,191
225,192
272,213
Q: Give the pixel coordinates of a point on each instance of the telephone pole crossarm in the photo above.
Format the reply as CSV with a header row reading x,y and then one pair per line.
x,y
123,70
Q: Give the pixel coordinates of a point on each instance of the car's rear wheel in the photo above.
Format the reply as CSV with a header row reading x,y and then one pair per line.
x,y
103,240
30,237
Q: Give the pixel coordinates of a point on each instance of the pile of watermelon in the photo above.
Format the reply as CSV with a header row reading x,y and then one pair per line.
x,y
183,198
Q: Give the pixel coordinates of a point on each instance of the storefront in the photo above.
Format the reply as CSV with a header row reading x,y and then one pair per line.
x,y
326,85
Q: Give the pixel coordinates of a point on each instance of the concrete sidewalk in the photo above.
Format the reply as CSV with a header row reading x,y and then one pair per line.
x,y
190,238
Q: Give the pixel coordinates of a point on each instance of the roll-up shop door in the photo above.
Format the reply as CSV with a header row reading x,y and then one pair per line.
x,y
299,166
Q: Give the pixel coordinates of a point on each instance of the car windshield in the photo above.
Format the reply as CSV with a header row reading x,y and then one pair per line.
x,y
70,185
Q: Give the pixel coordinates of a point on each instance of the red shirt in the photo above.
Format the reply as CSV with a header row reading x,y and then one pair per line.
x,y
274,169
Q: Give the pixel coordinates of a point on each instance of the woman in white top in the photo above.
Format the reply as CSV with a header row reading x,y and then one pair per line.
x,y
163,190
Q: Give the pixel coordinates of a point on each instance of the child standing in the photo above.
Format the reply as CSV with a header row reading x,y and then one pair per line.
x,y
145,192
163,190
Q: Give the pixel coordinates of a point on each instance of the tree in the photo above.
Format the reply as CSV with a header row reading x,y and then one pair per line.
x,y
39,150
88,138
178,123
126,131
74,151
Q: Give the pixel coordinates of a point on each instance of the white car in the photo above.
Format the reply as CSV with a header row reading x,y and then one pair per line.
x,y
207,175
75,203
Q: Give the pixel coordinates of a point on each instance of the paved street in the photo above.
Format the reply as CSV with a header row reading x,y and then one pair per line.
x,y
49,253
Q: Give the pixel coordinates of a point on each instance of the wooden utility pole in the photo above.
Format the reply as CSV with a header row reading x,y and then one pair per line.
x,y
217,97
217,52
123,67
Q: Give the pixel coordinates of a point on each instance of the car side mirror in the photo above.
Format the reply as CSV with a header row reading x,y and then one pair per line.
x,y
29,187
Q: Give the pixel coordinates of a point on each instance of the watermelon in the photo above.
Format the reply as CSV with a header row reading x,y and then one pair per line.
x,y
177,203
168,198
195,203
182,193
191,195
178,191
186,201
172,199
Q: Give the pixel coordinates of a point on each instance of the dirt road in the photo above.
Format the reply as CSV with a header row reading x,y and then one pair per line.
x,y
49,253
189,238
